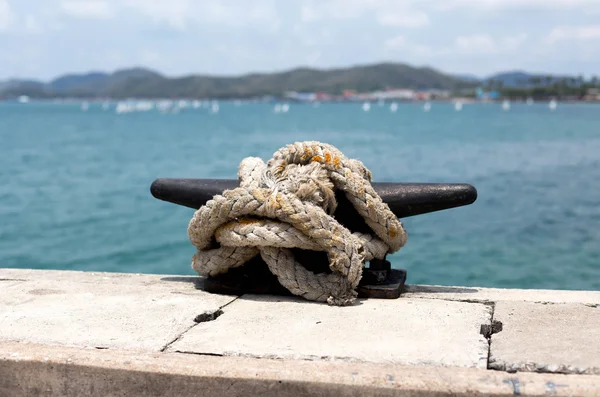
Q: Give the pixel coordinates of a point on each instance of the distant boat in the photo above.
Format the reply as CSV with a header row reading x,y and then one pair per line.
x,y
394,107
164,106
458,106
427,107
124,107
366,106
214,108
277,108
143,106
196,104
553,104
85,106
529,101
506,105
285,108
24,99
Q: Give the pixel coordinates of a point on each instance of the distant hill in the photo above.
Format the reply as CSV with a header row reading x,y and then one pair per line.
x,y
511,79
468,77
521,79
144,83
90,81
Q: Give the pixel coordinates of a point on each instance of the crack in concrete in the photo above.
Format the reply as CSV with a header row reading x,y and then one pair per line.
x,y
201,318
487,330
208,316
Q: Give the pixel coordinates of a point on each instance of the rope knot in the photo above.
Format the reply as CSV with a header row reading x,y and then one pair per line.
x,y
289,202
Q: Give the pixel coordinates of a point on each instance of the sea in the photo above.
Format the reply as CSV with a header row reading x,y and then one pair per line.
x,y
75,183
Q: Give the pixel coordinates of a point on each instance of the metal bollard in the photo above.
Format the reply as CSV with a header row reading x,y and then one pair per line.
x,y
379,279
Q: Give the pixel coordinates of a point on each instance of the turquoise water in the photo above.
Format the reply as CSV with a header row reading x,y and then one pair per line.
x,y
74,185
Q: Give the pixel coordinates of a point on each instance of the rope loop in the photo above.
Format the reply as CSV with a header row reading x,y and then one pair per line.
x,y
289,202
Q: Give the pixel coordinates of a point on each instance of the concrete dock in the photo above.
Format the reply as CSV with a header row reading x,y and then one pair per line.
x,y
68,333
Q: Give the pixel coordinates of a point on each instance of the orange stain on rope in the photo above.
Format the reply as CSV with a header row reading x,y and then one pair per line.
x,y
393,231
336,162
307,154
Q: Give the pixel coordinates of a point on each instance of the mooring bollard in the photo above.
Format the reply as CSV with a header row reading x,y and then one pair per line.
x,y
379,280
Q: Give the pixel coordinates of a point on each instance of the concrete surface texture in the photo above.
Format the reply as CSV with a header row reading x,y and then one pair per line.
x,y
77,333
560,337
99,310
407,331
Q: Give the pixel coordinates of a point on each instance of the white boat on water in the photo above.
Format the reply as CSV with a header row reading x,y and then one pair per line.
x,y
366,107
458,106
553,104
285,108
529,101
85,106
23,99
214,107
427,107
143,106
506,105
277,108
124,107
394,107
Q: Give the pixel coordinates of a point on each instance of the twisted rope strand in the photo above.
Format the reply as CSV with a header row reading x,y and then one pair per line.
x,y
288,203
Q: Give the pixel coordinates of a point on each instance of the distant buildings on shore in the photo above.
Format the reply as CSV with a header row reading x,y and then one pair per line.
x,y
478,94
392,94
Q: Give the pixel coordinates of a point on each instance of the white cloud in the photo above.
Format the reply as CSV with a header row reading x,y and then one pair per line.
x,y
510,43
415,13
395,42
399,13
485,44
478,43
179,14
404,19
317,10
6,15
95,9
518,4
579,33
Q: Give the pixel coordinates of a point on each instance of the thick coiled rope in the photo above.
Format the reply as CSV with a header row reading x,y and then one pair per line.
x,y
288,203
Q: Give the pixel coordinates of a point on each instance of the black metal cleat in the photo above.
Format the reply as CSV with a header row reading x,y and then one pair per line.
x,y
379,279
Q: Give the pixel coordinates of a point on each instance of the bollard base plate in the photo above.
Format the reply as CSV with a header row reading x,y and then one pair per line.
x,y
255,277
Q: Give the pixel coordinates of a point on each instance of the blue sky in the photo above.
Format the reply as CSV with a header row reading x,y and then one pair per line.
x,y
46,38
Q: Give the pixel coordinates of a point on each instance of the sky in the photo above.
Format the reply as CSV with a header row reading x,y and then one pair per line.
x,y
43,39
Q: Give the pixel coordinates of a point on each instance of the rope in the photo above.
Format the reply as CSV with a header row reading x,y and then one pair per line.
x,y
289,203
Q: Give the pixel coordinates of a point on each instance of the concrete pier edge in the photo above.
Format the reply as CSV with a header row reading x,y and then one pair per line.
x,y
40,370
69,333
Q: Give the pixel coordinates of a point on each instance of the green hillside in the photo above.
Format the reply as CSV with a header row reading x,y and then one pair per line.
x,y
143,83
